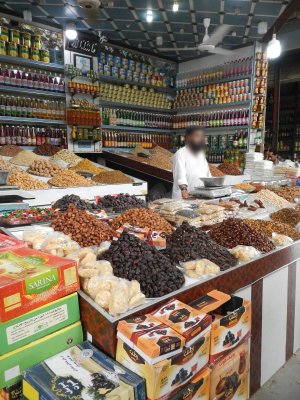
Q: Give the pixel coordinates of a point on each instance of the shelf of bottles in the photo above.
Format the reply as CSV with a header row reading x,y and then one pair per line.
x,y
259,90
127,140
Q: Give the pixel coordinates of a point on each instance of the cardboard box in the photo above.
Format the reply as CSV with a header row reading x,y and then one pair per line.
x,y
82,372
231,321
230,375
29,279
10,243
141,233
43,321
185,320
166,377
13,364
151,339
13,392
197,389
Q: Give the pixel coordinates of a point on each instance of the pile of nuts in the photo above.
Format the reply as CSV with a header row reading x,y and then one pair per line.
x,y
6,166
67,156
233,232
246,187
268,227
10,150
229,169
63,203
24,181
44,168
47,149
69,178
143,218
190,243
215,171
289,216
86,165
82,227
266,196
111,177
25,158
288,193
134,259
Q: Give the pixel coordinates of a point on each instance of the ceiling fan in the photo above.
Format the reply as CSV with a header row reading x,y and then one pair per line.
x,y
209,43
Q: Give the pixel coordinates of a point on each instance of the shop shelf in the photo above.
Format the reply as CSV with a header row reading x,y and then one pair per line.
x,y
214,82
26,91
210,131
113,104
22,62
118,81
214,106
31,121
135,129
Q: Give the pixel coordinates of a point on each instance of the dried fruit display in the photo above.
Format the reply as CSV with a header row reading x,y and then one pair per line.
x,y
268,227
229,169
133,259
289,216
63,203
68,178
47,149
44,168
215,171
25,181
24,158
233,232
86,165
10,150
112,177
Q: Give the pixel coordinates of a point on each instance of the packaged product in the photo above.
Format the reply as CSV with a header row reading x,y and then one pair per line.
x,y
30,279
197,389
9,242
37,323
141,233
82,372
12,392
230,375
187,321
200,268
168,376
244,253
281,240
231,321
13,364
151,339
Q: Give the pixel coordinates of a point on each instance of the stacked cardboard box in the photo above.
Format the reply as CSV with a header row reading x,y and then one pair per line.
x,y
39,312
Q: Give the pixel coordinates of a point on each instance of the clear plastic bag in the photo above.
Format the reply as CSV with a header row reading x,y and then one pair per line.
x,y
35,237
59,244
244,253
200,268
281,240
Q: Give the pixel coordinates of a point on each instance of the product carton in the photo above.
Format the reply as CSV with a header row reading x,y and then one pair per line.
x,y
230,375
141,233
13,364
166,377
151,339
10,243
43,321
82,372
187,321
231,321
13,392
29,279
197,389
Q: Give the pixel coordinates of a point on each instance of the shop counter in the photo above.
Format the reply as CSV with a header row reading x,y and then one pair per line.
x,y
271,282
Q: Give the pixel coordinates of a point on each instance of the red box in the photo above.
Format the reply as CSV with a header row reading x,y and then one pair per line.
x,y
30,279
10,243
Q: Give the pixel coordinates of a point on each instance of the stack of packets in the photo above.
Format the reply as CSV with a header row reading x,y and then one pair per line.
x,y
154,238
39,311
82,372
168,348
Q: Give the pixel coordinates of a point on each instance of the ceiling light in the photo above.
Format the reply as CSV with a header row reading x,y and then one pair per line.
x,y
181,30
159,40
71,32
27,15
149,15
140,45
233,33
262,27
274,47
175,6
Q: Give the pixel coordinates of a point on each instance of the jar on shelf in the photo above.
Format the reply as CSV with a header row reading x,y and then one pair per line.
x,y
37,42
35,54
45,56
23,51
12,49
4,33
26,38
2,47
15,36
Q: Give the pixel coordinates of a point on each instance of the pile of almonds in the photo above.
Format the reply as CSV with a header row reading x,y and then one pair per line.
x,y
44,168
68,178
82,227
24,181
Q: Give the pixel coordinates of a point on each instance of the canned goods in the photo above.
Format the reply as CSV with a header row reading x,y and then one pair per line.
x,y
109,60
37,42
45,56
15,36
107,71
2,47
4,33
26,39
117,61
23,51
35,54
12,49
115,72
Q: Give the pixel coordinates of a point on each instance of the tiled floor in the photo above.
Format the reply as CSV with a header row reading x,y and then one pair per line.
x,y
284,385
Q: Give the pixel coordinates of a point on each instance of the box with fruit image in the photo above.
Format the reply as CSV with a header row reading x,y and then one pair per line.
x,y
229,378
10,243
197,389
168,376
13,364
29,279
37,323
82,372
231,321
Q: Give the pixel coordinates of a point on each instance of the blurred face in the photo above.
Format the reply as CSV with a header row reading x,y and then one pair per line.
x,y
196,141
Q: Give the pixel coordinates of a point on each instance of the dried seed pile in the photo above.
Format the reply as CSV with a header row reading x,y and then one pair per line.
x,y
25,181
44,168
10,150
288,193
266,196
215,171
7,166
86,165
229,169
290,216
69,178
25,158
47,149
67,156
112,177
268,227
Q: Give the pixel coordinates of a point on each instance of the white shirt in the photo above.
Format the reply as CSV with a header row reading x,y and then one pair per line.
x,y
187,169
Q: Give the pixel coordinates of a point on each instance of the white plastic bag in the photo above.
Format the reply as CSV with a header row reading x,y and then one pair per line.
x,y
281,240
244,253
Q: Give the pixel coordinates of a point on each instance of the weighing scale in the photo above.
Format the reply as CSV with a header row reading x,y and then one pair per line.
x,y
11,198
211,192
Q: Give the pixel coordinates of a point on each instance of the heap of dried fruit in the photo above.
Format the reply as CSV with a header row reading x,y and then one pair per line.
x,y
229,169
68,178
47,149
215,171
86,165
44,168
112,177
288,193
10,150
268,227
25,181
289,216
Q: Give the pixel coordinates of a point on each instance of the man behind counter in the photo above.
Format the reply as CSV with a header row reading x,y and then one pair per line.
x,y
189,163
